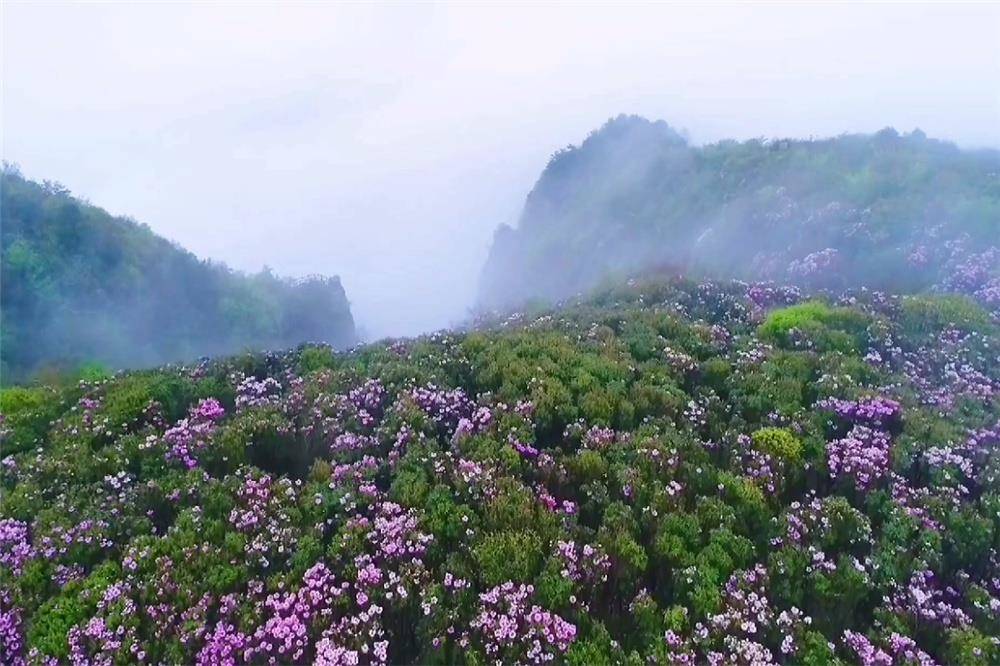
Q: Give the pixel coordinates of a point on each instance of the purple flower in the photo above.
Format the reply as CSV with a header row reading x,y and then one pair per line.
x,y
15,544
862,456
878,412
190,435
513,630
253,392
11,632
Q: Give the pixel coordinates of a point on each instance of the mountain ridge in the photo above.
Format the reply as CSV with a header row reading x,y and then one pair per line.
x,y
81,285
840,212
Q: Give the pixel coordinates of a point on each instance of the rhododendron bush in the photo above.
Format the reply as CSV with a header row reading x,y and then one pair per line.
x,y
666,472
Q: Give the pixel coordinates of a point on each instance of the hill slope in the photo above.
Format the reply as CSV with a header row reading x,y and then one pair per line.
x,y
79,285
667,473
888,211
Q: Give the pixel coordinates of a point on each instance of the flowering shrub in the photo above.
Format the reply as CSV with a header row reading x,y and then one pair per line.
x,y
191,434
878,411
862,456
512,630
815,265
253,392
671,474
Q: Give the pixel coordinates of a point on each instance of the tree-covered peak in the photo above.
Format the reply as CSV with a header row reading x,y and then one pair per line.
x,y
891,210
81,286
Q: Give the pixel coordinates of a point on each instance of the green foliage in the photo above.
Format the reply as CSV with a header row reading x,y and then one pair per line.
x,y
847,529
632,491
815,651
447,520
678,539
588,466
836,596
893,560
715,372
787,570
508,555
753,515
968,647
80,287
713,513
599,650
967,536
312,359
635,197
28,413
618,534
74,604
54,620
411,486
783,384
261,438
930,314
562,380
824,327
125,401
779,443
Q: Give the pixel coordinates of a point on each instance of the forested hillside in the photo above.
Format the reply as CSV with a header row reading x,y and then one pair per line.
x,y
81,286
669,473
901,212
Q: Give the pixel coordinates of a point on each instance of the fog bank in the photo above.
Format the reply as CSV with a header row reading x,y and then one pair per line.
x,y
386,143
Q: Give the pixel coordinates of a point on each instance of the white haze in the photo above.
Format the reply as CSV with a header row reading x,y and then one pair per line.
x,y
384,143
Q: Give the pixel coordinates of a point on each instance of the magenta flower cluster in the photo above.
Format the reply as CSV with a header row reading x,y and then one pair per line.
x,y
191,435
901,650
878,411
15,545
253,392
511,628
861,456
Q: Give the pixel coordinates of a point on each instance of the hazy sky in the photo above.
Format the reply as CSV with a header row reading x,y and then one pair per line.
x,y
384,143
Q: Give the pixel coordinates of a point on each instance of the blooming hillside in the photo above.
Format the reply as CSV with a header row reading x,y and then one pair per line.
x,y
668,472
898,212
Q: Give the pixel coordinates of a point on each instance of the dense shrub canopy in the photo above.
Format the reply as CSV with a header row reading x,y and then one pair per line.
x,y
79,285
669,472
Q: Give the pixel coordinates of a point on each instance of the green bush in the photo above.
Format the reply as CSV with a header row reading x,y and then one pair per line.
x,y
510,555
826,328
312,359
753,515
28,412
126,400
967,535
677,540
930,314
588,466
969,647
74,604
779,443
782,383
260,437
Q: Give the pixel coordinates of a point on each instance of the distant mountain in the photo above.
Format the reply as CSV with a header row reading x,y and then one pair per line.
x,y
80,285
901,212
